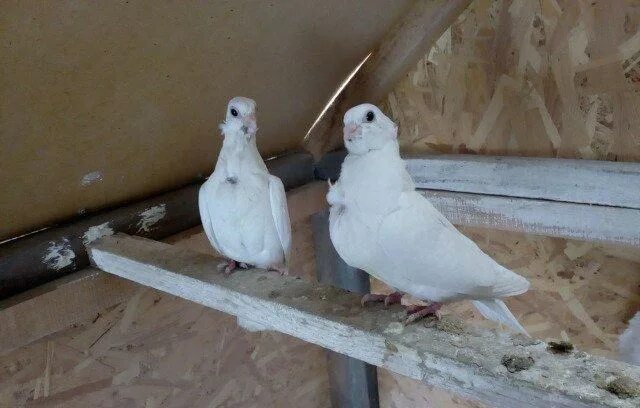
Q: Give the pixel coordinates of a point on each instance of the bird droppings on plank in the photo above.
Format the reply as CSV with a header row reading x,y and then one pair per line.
x,y
517,363
446,323
621,386
560,347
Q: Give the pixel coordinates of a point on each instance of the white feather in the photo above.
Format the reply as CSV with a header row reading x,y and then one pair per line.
x,y
278,199
379,223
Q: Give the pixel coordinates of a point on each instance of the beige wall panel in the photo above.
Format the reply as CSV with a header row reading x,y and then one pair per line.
x,y
102,102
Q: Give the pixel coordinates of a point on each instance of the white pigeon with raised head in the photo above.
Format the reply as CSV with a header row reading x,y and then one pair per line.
x,y
243,208
379,223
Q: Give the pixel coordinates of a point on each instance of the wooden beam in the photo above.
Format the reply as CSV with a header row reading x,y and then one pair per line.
x,y
576,199
398,52
42,257
576,181
353,382
474,363
554,219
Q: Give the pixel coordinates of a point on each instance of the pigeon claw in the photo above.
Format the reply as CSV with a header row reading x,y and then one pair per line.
x,y
391,299
282,270
417,312
228,267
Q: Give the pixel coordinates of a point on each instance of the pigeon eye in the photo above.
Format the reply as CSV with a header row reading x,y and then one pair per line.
x,y
370,116
234,112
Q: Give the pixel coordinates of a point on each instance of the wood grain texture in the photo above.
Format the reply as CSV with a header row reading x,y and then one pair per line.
x,y
566,220
57,305
577,181
464,361
542,78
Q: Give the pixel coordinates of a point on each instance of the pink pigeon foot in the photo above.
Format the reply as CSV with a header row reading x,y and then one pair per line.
x,y
417,312
228,266
391,299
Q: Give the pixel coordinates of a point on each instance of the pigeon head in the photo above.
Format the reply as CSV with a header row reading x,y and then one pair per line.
x,y
240,119
366,128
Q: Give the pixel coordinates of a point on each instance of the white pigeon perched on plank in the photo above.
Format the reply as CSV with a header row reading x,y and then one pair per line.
x,y
244,208
380,224
629,342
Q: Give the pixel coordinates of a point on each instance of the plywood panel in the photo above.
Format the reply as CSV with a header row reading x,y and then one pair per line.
x,y
103,102
528,78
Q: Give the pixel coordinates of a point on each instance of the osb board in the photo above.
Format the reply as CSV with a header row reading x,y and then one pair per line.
x,y
528,78
535,78
103,102
158,350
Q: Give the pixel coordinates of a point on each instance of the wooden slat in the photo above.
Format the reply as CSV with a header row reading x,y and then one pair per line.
x,y
566,220
577,181
464,360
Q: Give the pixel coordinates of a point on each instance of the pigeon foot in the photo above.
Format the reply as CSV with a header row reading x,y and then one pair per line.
x,y
390,299
228,266
417,312
283,270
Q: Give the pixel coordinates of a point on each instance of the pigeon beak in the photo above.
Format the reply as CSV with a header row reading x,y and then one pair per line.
x,y
249,124
349,131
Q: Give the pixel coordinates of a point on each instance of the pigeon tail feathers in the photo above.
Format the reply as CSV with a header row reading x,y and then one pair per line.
x,y
496,310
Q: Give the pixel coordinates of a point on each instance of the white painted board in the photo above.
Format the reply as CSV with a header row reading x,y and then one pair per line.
x,y
576,181
566,220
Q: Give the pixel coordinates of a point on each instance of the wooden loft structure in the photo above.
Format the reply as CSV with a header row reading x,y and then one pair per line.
x,y
115,251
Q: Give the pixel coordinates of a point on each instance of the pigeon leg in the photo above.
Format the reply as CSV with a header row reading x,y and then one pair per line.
x,y
282,270
391,299
228,266
417,312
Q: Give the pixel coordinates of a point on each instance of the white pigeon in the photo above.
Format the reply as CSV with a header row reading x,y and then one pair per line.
x,y
243,208
629,342
380,224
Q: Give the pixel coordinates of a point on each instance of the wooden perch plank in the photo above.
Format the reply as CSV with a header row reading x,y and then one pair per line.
x,y
576,181
566,220
466,361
